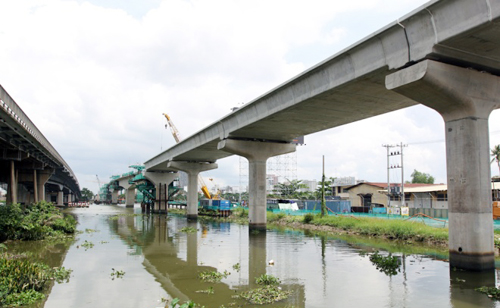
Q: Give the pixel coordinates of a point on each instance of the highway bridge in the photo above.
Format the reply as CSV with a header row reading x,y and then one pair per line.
x,y
30,166
444,55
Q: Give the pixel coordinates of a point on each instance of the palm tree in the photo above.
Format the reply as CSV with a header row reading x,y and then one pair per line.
x,y
495,153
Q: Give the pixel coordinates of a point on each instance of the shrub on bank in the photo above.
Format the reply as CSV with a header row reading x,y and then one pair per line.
x,y
33,222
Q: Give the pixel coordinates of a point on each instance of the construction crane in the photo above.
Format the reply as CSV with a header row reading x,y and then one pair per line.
x,y
177,138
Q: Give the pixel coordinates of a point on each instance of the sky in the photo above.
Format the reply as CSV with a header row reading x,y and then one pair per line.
x,y
95,77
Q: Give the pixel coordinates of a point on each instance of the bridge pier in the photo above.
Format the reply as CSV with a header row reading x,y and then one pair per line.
x,y
114,196
42,177
257,154
465,99
158,179
193,169
11,197
60,196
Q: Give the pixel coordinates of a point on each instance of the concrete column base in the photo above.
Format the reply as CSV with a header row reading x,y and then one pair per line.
x,y
261,227
472,261
192,217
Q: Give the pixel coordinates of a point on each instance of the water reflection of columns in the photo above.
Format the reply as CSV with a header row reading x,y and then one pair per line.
x,y
462,285
192,245
256,256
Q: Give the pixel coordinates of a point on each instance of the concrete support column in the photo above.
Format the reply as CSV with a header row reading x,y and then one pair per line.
x,y
35,186
60,197
160,178
257,154
465,99
193,170
42,178
12,192
130,197
114,196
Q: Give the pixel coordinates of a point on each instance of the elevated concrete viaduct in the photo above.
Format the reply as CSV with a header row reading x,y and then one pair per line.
x,y
445,55
29,164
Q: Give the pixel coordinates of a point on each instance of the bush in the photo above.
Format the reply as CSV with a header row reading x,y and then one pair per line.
x,y
308,218
35,222
21,280
240,212
267,280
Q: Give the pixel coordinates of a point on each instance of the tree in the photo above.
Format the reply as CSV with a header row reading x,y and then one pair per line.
x,y
495,153
328,186
420,177
87,194
290,189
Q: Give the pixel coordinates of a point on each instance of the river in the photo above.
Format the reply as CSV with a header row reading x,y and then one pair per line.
x,y
122,258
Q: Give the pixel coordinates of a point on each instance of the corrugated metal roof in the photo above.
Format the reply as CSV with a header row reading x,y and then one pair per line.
x,y
436,187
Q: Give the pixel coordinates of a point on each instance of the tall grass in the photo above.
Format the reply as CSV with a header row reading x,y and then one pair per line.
x,y
390,228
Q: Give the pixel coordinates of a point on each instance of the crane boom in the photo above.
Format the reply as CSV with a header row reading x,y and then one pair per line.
x,y
177,138
173,129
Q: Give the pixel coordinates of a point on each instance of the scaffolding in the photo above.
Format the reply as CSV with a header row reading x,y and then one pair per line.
x,y
280,169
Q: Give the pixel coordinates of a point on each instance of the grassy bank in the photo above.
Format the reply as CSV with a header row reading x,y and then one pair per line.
x,y
373,227
392,229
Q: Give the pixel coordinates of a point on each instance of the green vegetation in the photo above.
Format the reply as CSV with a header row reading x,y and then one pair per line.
x,y
265,295
209,291
116,274
420,177
495,153
87,245
189,304
188,230
492,292
237,267
22,280
404,231
87,195
394,229
308,218
267,280
389,265
213,276
115,217
34,222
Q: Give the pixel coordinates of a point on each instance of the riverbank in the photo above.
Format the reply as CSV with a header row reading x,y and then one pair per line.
x,y
404,231
397,230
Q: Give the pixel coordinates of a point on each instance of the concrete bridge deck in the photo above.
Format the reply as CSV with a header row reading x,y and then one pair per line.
x,y
29,159
445,55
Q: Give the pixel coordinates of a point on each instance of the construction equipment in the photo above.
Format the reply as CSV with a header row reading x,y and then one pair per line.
x,y
177,138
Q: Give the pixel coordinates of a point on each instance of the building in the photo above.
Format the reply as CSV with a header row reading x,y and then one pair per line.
x,y
364,196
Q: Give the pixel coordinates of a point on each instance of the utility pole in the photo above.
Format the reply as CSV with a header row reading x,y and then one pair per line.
x,y
323,202
388,176
396,153
401,146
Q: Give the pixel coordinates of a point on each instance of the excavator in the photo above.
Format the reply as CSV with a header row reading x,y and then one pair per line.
x,y
177,138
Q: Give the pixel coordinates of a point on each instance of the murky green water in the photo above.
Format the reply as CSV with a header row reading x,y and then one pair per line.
x,y
160,262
